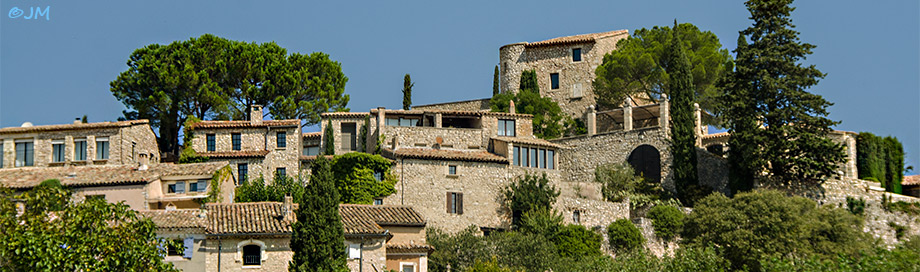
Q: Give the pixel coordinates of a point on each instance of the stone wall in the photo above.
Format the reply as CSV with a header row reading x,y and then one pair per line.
x,y
835,192
138,139
337,132
712,171
373,255
518,57
276,253
256,139
585,153
593,214
468,105
459,138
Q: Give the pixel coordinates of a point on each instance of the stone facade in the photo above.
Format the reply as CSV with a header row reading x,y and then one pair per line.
x,y
129,142
225,254
575,92
468,105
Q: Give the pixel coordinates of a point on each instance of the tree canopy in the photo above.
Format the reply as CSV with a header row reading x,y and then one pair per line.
x,y
547,115
529,193
775,124
55,234
640,66
213,78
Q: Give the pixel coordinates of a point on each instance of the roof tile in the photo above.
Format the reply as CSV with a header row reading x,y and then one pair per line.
x,y
236,154
246,124
83,176
441,154
577,38
73,126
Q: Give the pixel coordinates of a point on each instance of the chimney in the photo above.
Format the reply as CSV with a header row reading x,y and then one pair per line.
x,y
255,115
511,108
77,121
287,207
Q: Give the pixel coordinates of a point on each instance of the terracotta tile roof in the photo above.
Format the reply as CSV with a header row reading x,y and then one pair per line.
x,y
246,124
911,180
455,113
85,176
248,218
441,154
177,219
345,114
236,154
409,248
529,141
311,135
73,126
577,38
715,135
313,157
368,219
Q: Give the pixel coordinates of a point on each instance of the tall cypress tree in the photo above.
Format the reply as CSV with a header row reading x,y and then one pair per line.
x,y
529,81
407,92
328,140
683,138
768,87
495,89
318,240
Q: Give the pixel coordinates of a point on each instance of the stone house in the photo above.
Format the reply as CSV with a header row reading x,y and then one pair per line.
x,y
145,187
78,144
254,148
911,185
256,237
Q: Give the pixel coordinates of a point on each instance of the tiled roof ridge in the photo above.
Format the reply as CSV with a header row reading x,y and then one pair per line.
x,y
457,112
243,123
103,124
579,38
445,154
451,102
235,153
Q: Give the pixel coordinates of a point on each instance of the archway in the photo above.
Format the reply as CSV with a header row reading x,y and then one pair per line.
x,y
646,160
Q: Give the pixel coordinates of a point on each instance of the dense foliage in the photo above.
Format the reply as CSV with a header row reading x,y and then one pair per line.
x,y
667,221
768,88
547,115
529,193
529,81
620,181
256,190
362,177
640,66
318,239
685,259
758,225
624,236
210,77
407,92
880,159
683,123
575,241
495,83
856,206
55,234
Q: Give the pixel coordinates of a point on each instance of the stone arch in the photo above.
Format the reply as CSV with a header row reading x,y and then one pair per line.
x,y
646,159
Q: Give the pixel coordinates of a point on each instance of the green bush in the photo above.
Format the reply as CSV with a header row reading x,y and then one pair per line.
x,y
577,241
624,236
899,230
529,193
667,221
856,206
542,222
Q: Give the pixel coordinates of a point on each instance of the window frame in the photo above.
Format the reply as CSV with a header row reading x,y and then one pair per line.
x,y
281,172
176,188
58,151
236,141
452,170
102,148
516,157
503,127
260,256
404,265
242,172
576,57
455,203
554,81
210,142
378,201
281,139
28,153
576,216
80,151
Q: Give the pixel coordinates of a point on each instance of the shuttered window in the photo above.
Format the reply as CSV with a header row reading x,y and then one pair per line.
x,y
454,202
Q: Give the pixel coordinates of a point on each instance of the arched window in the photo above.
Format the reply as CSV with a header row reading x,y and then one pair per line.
x,y
646,160
252,255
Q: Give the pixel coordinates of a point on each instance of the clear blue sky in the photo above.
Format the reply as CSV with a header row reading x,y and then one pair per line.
x,y
53,70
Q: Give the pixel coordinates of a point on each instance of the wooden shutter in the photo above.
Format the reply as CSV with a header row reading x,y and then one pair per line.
x,y
459,197
189,243
449,198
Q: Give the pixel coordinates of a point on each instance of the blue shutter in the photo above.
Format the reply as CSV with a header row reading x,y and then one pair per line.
x,y
189,247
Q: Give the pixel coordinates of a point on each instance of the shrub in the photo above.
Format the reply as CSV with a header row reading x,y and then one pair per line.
x,y
624,236
667,221
542,222
617,180
856,206
529,193
577,241
899,230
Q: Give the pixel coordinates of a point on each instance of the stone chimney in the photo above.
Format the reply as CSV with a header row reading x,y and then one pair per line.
x,y
381,118
511,107
255,115
77,121
592,120
664,113
287,207
627,115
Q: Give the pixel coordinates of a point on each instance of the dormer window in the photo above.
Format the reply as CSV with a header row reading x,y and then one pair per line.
x,y
506,127
576,54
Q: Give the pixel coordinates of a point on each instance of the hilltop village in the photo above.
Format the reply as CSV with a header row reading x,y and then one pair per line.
x,y
451,161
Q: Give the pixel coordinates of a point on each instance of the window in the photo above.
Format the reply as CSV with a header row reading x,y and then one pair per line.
x,y
525,156
506,127
280,172
406,267
24,153
576,217
378,201
550,159
349,139
282,139
392,121
252,255
404,122
576,54
212,142
176,188
57,150
517,155
237,141
200,186
102,148
452,170
242,171
542,158
454,203
378,176
79,149
312,150
554,81
533,158
354,251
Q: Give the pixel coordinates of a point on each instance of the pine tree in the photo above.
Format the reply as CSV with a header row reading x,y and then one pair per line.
x,y
318,240
683,138
768,88
407,92
495,89
328,140
529,81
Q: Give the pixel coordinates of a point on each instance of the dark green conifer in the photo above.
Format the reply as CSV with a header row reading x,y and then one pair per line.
x,y
318,240
407,92
328,140
683,138
495,79
529,81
